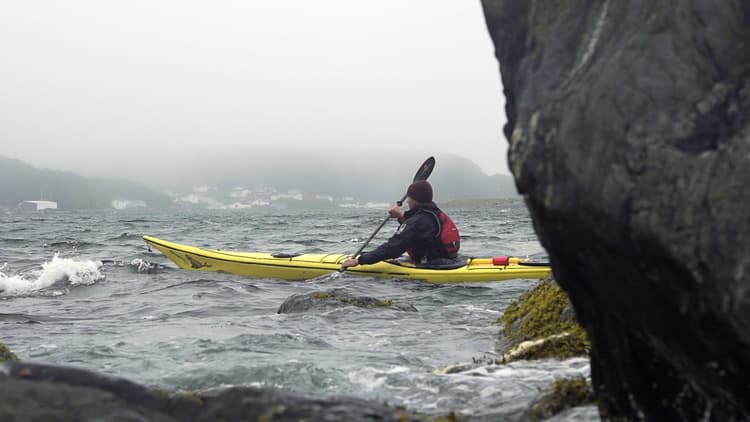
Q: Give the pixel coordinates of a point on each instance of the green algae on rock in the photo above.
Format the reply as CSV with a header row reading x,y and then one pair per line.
x,y
337,298
6,354
362,301
538,325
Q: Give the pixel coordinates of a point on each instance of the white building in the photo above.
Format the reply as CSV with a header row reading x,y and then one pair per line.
x,y
37,205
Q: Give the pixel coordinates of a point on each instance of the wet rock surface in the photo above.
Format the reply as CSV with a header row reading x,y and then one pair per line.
x,y
629,131
337,298
563,394
43,392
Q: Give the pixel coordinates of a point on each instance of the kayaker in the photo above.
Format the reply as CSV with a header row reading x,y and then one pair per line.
x,y
427,234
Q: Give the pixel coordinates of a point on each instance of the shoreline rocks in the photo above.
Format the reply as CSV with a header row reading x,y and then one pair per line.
x,y
45,392
541,324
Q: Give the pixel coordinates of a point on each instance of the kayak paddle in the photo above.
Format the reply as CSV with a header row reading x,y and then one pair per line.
x,y
422,174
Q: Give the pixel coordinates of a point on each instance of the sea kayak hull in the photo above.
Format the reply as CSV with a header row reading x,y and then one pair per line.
x,y
307,266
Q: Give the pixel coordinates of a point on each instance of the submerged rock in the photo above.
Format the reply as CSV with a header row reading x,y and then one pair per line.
x,y
629,131
562,394
540,325
42,392
6,354
337,298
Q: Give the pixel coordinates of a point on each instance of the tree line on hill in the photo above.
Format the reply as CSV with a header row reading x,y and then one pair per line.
x,y
365,178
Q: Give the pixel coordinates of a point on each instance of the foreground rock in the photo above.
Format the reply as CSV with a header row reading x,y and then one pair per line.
x,y
629,129
41,392
541,325
337,298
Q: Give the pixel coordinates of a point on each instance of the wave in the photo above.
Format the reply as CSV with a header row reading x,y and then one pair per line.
x,y
127,236
136,264
13,240
307,242
59,270
26,318
72,244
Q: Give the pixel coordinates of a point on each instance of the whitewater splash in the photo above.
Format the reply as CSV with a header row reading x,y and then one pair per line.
x,y
58,270
138,265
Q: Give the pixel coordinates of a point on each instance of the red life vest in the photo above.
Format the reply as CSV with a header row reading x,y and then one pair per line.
x,y
448,234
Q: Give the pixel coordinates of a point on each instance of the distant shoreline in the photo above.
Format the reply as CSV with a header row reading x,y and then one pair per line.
x,y
480,202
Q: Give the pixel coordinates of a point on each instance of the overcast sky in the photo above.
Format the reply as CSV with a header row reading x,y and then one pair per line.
x,y
102,86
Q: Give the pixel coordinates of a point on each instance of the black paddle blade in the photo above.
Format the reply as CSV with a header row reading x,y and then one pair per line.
x,y
424,172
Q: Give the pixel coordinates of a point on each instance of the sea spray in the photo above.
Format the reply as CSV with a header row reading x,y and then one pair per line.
x,y
69,270
143,266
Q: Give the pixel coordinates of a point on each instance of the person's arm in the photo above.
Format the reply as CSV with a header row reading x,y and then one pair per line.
x,y
389,248
394,247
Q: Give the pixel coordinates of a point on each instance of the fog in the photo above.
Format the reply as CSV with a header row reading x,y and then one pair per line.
x,y
127,89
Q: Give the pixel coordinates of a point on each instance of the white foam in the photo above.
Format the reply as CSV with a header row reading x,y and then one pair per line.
x,y
373,378
68,270
141,265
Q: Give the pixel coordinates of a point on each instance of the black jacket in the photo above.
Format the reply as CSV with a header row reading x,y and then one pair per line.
x,y
420,233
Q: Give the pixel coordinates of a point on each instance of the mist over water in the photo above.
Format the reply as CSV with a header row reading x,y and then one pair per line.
x,y
104,89
82,289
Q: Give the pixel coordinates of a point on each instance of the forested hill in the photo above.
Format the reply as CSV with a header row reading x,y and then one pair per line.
x,y
374,176
20,181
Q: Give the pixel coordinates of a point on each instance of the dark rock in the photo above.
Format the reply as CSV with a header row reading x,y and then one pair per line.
x,y
42,392
629,131
568,314
562,394
337,298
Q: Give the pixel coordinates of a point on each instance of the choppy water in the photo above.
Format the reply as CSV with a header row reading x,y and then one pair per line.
x,y
80,288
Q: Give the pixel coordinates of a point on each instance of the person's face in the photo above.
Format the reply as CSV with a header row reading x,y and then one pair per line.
x,y
410,202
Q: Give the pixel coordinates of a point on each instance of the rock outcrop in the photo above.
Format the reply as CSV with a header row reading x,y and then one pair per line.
x,y
629,131
42,392
337,298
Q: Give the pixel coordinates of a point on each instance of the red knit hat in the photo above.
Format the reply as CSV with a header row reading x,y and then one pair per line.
x,y
420,191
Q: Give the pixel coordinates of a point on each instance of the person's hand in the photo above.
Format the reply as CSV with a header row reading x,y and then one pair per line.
x,y
351,262
396,212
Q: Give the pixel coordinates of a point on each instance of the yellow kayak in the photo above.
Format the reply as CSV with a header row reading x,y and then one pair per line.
x,y
307,266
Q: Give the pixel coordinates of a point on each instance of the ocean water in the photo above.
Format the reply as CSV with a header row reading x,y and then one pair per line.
x,y
82,289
